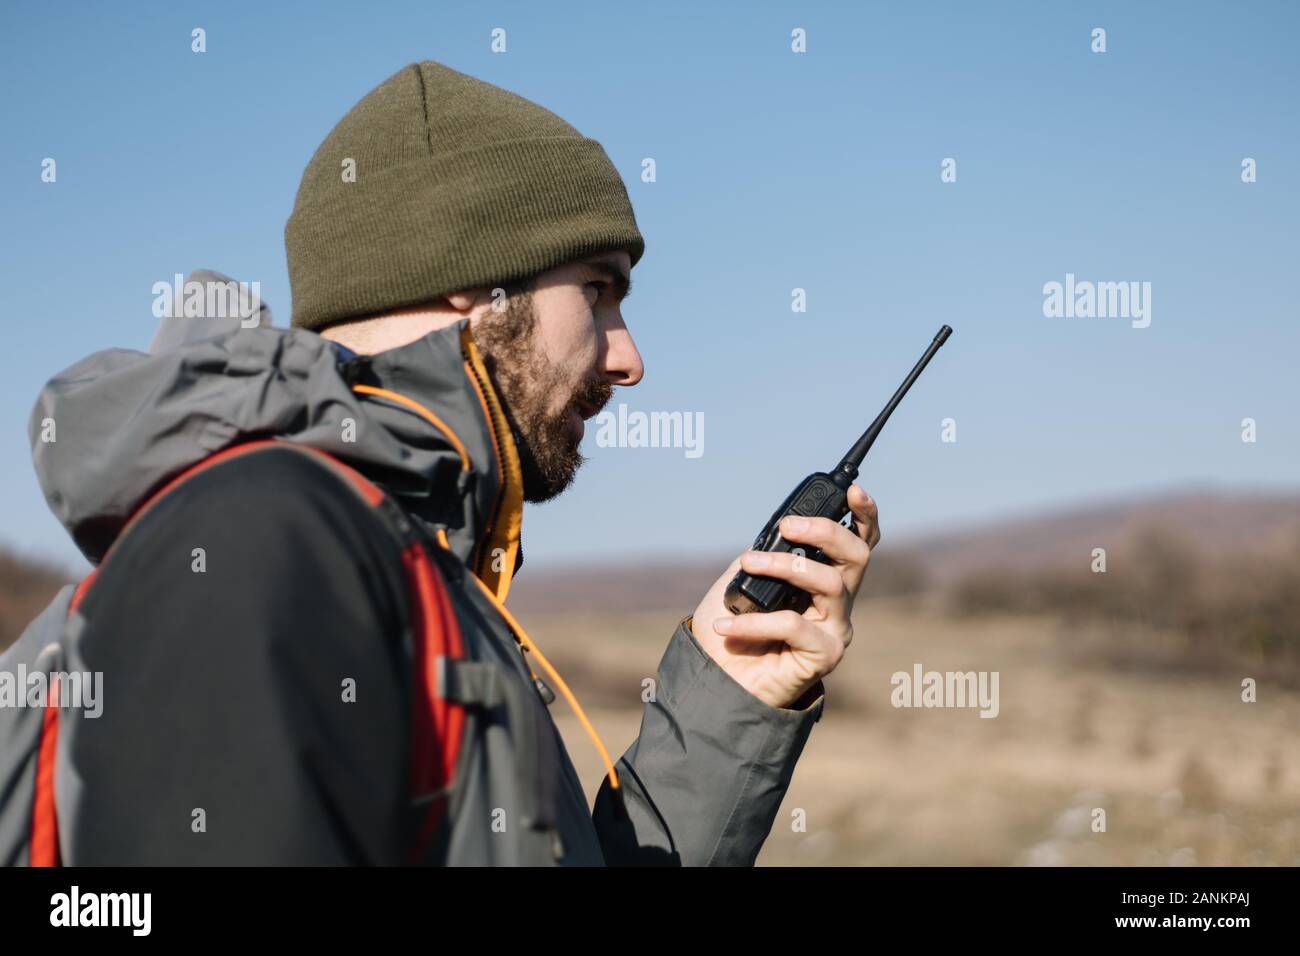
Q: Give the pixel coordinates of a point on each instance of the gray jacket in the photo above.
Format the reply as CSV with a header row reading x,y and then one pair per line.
x,y
700,785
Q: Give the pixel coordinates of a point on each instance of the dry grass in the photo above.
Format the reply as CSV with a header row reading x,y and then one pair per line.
x,y
1186,772
26,586
1163,605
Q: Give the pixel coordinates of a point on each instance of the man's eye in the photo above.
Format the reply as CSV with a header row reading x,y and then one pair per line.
x,y
599,287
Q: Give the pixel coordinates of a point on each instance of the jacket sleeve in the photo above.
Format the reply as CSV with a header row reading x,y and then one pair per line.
x,y
703,781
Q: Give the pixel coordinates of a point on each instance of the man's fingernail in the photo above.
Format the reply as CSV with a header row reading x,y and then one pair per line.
x,y
796,524
758,559
722,625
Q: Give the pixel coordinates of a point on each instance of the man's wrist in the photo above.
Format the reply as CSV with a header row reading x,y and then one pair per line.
x,y
808,698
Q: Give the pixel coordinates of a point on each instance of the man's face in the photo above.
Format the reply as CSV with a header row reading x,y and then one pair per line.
x,y
555,355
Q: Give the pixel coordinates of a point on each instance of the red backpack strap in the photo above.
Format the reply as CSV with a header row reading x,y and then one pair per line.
x,y
436,724
43,847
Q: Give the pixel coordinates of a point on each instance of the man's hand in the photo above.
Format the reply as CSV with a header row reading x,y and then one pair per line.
x,y
777,657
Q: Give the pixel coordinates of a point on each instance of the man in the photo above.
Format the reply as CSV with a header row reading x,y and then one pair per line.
x,y
458,257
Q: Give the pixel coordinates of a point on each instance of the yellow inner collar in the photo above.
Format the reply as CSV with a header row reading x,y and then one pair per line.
x,y
498,550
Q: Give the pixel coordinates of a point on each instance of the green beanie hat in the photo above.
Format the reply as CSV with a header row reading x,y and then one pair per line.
x,y
437,182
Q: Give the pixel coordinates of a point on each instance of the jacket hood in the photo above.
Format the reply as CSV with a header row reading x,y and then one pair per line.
x,y
113,428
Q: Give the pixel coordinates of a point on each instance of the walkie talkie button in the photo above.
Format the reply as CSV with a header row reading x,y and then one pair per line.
x,y
811,501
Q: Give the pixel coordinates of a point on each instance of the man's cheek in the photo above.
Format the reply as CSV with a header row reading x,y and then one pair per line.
x,y
576,373
577,351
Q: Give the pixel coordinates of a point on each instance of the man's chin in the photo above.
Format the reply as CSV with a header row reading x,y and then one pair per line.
x,y
542,490
562,464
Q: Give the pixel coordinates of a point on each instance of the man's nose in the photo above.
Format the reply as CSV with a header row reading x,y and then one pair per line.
x,y
623,365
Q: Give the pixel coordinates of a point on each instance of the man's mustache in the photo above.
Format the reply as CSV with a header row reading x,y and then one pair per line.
x,y
593,395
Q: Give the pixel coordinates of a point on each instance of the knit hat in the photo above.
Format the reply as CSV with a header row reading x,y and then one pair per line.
x,y
437,182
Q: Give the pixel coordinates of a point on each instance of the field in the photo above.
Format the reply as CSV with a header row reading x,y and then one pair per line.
x,y
1186,772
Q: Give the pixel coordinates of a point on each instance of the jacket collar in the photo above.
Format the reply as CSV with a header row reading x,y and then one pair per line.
x,y
435,397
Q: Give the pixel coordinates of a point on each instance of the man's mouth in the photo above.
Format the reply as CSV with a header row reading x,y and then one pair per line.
x,y
580,412
587,402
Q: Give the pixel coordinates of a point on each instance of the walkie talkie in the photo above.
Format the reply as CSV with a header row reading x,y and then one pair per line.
x,y
820,495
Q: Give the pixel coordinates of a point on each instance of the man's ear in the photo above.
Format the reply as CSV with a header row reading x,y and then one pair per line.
x,y
466,302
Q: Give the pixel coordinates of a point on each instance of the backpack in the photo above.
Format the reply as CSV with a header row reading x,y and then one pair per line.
x,y
437,723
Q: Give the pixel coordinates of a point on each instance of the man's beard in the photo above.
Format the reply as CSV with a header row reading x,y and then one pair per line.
x,y
527,384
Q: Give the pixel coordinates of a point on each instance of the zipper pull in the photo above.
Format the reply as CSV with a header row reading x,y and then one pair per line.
x,y
548,695
545,693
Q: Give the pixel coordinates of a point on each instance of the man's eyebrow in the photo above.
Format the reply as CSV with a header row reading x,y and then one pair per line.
x,y
609,269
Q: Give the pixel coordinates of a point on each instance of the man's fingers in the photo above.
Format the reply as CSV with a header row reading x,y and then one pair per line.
x,y
839,544
813,576
849,550
785,626
866,516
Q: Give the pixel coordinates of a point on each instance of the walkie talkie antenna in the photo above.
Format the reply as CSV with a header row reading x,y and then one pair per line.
x,y
847,470
820,495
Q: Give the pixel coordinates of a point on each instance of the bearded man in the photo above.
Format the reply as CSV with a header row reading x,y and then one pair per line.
x,y
306,652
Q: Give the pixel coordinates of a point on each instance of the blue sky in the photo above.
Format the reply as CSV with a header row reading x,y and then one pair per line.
x,y
775,170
